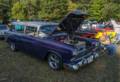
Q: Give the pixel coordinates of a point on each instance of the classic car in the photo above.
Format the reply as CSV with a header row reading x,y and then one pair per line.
x,y
62,48
87,31
3,29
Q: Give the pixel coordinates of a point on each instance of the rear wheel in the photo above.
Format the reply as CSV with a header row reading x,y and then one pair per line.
x,y
13,46
55,62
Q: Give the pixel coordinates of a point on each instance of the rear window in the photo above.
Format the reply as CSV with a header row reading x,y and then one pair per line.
x,y
17,28
3,27
31,30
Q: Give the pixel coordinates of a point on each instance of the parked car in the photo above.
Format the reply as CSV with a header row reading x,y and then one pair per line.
x,y
59,45
87,31
3,29
44,29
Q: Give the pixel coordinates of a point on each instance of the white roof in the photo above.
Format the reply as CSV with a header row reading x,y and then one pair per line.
x,y
34,23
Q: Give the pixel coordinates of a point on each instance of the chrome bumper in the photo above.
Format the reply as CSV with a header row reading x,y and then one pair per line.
x,y
75,65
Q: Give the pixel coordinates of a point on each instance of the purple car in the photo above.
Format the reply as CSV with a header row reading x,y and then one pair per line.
x,y
56,42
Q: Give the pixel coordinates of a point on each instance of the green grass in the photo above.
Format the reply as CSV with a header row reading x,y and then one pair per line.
x,y
20,67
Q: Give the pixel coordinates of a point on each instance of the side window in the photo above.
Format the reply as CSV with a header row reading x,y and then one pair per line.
x,y
31,30
20,28
17,28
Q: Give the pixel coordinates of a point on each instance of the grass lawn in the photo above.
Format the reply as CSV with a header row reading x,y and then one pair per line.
x,y
20,67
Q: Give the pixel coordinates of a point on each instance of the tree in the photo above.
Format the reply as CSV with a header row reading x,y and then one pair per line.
x,y
53,9
25,9
32,8
72,5
111,10
56,9
4,10
19,11
96,8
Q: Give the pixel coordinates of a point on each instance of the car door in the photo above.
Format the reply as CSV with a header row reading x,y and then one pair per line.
x,y
16,38
39,47
27,40
34,46
31,43
27,44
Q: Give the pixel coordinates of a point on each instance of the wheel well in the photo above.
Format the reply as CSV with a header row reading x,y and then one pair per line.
x,y
53,53
47,55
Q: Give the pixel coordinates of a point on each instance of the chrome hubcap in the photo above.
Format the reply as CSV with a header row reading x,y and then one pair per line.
x,y
12,46
53,61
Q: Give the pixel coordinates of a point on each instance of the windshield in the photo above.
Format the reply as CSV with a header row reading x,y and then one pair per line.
x,y
3,27
48,29
101,26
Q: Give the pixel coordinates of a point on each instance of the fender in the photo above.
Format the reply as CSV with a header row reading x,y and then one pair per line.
x,y
51,51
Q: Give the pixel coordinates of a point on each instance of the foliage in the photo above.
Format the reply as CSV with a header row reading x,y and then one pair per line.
x,y
4,10
96,8
72,5
18,11
25,9
111,10
52,9
56,9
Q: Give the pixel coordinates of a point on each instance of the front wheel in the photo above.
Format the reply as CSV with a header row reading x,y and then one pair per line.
x,y
55,62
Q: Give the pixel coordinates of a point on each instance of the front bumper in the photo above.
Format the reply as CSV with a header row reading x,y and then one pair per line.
x,y
77,63
2,34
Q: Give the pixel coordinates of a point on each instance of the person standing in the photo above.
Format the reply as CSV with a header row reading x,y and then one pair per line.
x,y
105,40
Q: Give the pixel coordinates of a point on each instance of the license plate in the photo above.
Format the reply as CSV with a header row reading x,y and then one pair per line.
x,y
90,59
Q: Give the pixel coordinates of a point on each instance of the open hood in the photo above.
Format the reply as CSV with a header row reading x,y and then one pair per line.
x,y
72,21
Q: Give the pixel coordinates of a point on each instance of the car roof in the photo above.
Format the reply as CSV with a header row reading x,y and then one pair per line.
x,y
34,23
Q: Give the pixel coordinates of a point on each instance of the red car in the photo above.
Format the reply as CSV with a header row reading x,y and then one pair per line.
x,y
90,32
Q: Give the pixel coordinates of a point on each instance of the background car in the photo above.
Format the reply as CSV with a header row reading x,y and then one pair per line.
x,y
88,30
3,29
